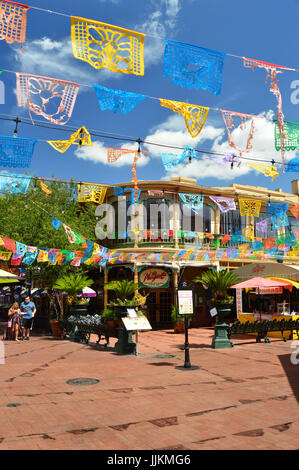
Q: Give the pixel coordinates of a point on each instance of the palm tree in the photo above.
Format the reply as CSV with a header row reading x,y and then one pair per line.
x,y
72,284
218,282
123,289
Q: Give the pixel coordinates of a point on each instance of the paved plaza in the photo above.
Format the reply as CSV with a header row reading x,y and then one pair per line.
x,y
240,398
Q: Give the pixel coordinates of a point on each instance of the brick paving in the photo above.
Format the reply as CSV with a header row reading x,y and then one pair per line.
x,y
240,398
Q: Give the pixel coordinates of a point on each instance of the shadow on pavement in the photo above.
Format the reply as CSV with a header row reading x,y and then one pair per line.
x,y
292,373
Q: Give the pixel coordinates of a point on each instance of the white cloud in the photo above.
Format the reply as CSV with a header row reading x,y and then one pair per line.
x,y
98,154
173,132
55,59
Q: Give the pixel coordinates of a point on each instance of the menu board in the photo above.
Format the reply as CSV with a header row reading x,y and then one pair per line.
x,y
136,324
185,302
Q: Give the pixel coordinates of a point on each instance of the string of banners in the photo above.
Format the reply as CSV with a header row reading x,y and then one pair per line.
x,y
121,50
273,247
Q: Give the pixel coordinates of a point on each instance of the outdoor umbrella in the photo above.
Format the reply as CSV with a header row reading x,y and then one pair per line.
x,y
87,292
259,282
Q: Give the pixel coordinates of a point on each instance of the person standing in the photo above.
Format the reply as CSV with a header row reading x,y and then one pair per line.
x,y
28,309
14,328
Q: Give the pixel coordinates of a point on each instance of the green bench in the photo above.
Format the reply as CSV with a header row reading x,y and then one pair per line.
x,y
262,328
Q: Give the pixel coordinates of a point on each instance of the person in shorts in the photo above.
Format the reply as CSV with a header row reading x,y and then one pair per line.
x,y
28,309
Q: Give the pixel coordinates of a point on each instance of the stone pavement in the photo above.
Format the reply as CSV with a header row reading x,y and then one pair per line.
x,y
240,398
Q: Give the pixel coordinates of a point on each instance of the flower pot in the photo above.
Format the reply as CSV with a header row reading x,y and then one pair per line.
x,y
224,311
55,327
78,309
112,324
179,327
120,310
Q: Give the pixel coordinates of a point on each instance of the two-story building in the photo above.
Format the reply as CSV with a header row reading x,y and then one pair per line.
x,y
171,217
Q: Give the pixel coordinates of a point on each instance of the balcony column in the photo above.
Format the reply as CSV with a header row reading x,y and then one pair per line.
x,y
175,222
105,290
136,277
215,220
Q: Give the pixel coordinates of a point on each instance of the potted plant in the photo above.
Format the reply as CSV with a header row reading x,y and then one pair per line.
x,y
110,317
72,285
219,282
123,290
178,320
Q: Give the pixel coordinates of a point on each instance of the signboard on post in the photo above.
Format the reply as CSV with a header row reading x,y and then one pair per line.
x,y
154,278
136,324
185,302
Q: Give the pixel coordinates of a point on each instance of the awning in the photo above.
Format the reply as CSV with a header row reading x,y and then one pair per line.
x,y
268,270
290,281
7,277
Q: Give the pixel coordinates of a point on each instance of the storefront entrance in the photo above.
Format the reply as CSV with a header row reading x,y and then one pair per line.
x,y
159,307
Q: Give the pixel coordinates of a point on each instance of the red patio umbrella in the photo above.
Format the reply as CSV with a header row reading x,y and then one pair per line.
x,y
259,282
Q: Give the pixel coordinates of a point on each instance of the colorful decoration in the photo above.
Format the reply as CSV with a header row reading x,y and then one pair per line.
x,y
14,184
194,201
250,206
225,204
16,152
290,137
279,220
295,210
105,46
193,67
274,208
40,94
171,160
248,233
117,100
231,158
81,135
229,123
113,154
45,188
272,71
262,226
13,21
56,223
267,170
72,235
43,256
5,255
88,192
29,258
293,165
21,248
195,116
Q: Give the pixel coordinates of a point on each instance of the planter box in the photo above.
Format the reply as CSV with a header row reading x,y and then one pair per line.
x,y
56,329
78,309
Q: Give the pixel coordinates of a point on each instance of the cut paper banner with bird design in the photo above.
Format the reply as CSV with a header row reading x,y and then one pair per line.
x,y
13,22
228,118
48,97
267,170
88,192
80,137
195,116
16,152
272,71
249,206
106,46
193,67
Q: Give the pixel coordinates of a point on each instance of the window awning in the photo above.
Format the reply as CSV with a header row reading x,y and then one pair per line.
x,y
290,281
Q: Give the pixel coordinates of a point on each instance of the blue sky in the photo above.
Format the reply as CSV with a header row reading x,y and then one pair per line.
x,y
260,30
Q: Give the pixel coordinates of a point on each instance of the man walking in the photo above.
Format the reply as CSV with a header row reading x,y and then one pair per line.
x,y
29,310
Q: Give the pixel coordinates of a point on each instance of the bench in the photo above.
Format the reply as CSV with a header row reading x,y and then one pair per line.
x,y
262,328
80,332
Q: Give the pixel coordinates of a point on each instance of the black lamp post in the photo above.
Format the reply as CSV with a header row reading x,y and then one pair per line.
x,y
188,294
